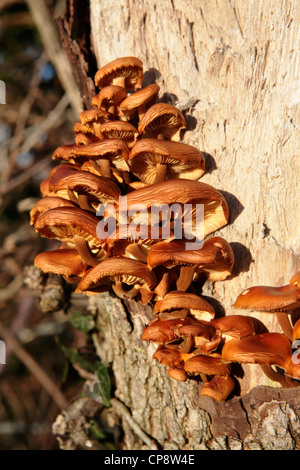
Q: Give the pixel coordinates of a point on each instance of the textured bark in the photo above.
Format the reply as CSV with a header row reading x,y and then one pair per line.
x,y
237,63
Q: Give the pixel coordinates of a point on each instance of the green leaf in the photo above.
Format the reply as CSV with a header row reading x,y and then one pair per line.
x,y
103,386
84,323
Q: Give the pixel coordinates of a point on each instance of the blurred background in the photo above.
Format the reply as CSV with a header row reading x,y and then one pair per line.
x,y
38,116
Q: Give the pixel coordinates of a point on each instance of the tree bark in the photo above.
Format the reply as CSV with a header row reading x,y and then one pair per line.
x,y
236,63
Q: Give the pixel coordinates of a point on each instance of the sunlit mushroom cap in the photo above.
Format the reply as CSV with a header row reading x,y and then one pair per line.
x,y
130,69
168,357
218,388
181,192
109,98
116,150
117,269
267,348
177,373
210,365
94,115
182,160
215,258
269,299
236,326
165,331
176,300
162,119
64,223
98,188
139,100
45,204
119,130
65,262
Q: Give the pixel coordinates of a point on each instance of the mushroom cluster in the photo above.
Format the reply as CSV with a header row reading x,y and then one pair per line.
x,y
126,160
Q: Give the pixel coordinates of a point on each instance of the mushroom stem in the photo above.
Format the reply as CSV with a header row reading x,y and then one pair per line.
x,y
83,202
185,277
124,294
120,81
84,250
285,324
72,196
97,129
161,171
104,165
273,375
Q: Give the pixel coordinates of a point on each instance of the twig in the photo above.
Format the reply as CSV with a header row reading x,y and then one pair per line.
x,y
134,426
34,367
50,38
26,175
46,125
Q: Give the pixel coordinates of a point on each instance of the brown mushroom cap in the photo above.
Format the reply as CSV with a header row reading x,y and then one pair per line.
x,y
269,299
218,388
182,192
83,188
125,71
109,98
168,357
149,157
119,130
236,326
215,259
117,270
267,348
88,116
48,202
115,150
75,227
66,262
209,365
166,331
176,300
177,373
137,101
162,119
87,129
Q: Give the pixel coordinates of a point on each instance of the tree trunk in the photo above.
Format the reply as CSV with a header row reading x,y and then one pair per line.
x,y
236,64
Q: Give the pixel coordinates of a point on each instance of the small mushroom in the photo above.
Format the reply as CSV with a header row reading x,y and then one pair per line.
x,y
198,308
109,99
214,260
94,117
168,357
219,388
167,331
83,188
178,373
125,276
234,326
126,72
154,160
162,121
66,262
46,203
77,228
208,365
267,349
138,102
105,156
120,130
277,300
